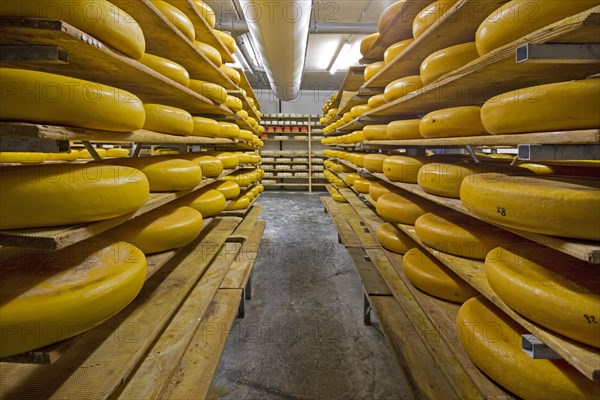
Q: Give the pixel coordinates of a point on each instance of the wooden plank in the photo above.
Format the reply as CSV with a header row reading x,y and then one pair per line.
x,y
153,374
239,272
100,64
196,370
584,358
367,240
373,283
345,231
244,230
105,355
370,219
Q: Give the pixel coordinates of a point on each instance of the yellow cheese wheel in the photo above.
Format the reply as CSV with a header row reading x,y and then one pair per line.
x,y
402,87
361,185
388,15
229,130
447,60
166,119
227,40
260,188
452,122
230,190
551,206
372,69
206,127
430,15
168,68
210,52
85,154
518,18
71,155
367,42
403,168
211,167
395,50
243,114
242,177
337,196
357,111
393,239
358,159
247,158
52,195
434,278
239,204
99,18
117,152
374,162
210,90
403,129
553,289
22,157
403,208
375,132
233,103
165,152
553,107
38,97
378,189
228,159
376,101
445,179
458,234
47,297
246,135
232,74
207,13
163,229
492,340
177,17
350,178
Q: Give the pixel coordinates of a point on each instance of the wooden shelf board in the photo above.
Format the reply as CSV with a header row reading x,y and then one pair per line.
x,y
101,65
245,84
239,272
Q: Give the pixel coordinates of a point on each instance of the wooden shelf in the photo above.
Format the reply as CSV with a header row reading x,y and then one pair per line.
x,y
102,65
245,84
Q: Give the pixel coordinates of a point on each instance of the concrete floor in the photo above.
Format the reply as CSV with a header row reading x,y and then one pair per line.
x,y
303,335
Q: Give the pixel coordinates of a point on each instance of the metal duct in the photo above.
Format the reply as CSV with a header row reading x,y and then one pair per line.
x,y
279,30
240,27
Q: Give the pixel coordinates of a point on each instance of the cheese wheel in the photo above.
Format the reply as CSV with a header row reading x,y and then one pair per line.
x,y
38,97
165,174
518,18
372,69
337,196
245,158
166,119
239,204
227,40
260,188
85,154
243,114
403,129
553,289
350,178
492,340
206,127
167,67
375,132
230,190
553,107
232,74
228,159
207,13
47,297
444,61
117,152
52,195
246,135
357,111
208,202
22,157
211,166
210,52
233,103
395,50
358,159
367,42
374,162
165,152
551,206
402,87
210,90
403,208
430,15
98,18
378,189
376,101
452,122
403,168
71,155
393,239
163,229
177,17
434,278
243,177
458,234
229,130
361,185
389,14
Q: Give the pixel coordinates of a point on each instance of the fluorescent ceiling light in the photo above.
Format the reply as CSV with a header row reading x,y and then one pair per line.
x,y
351,58
340,57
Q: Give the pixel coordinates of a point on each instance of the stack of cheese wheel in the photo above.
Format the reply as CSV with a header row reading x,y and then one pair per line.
x,y
402,87
378,189
403,208
244,200
498,353
210,90
432,277
403,168
403,129
168,68
208,201
205,127
166,119
396,49
375,132
393,239
361,185
80,287
367,42
373,69
53,195
230,190
245,177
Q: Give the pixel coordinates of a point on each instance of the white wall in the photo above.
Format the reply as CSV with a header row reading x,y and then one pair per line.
x,y
309,102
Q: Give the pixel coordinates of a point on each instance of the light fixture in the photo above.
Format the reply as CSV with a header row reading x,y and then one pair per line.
x,y
340,57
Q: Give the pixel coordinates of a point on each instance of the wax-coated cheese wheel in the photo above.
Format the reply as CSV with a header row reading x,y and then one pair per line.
x,y
361,185
229,130
372,69
492,340
209,90
207,13
396,49
403,129
228,159
177,17
165,152
233,103
374,162
551,206
227,40
403,208
47,297
38,97
337,196
431,276
246,158
211,167
71,155
447,60
232,74
458,234
230,190
403,168
430,15
350,178
166,119
552,107
375,132
206,127
239,204
393,239
357,111
52,195
86,155
378,189
163,229
452,122
402,87
246,135
22,157
167,67
117,152
376,101
518,18
367,42
243,114
210,52
388,15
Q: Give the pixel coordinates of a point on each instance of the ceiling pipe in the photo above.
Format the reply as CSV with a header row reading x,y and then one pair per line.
x,y
240,27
